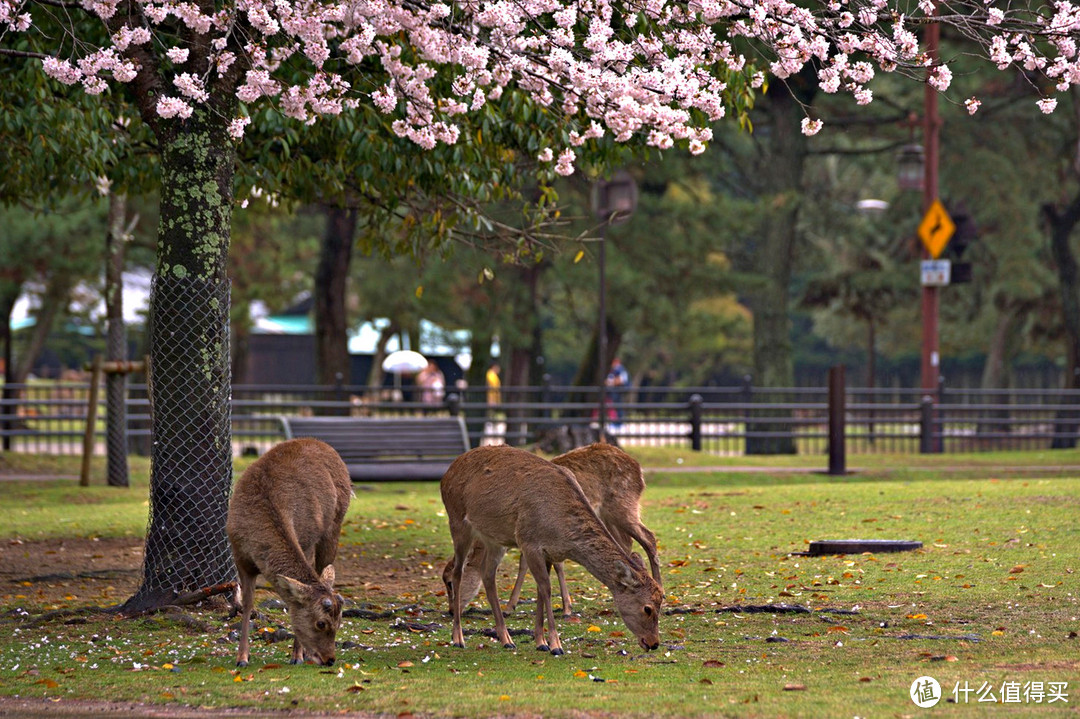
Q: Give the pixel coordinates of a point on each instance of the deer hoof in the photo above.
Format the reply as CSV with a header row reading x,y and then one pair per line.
x,y
241,663
558,652
542,648
509,645
459,645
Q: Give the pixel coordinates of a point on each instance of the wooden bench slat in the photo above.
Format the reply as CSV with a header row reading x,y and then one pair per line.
x,y
392,448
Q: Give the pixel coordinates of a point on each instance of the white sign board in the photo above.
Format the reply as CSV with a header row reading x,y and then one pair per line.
x,y
935,273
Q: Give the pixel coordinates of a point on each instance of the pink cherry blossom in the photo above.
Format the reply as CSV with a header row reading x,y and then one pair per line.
x,y
179,55
811,127
1047,105
173,107
649,69
237,127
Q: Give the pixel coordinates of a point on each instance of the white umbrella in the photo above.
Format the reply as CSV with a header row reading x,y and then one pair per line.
x,y
403,362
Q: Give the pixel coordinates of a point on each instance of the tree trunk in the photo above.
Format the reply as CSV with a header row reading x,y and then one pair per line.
x,y
191,459
9,294
53,303
331,282
116,473
768,299
1062,225
377,374
241,343
995,374
523,350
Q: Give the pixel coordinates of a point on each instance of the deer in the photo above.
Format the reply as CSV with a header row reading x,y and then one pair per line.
x,y
498,497
284,522
613,482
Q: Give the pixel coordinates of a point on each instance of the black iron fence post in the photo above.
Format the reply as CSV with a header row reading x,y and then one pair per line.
x,y
746,395
926,425
695,422
837,425
939,437
453,404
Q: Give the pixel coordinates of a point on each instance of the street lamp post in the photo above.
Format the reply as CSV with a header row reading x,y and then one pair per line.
x,y
613,201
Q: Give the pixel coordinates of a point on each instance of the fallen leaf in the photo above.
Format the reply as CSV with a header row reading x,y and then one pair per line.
x,y
355,689
404,665
593,628
794,687
712,663
580,674
49,683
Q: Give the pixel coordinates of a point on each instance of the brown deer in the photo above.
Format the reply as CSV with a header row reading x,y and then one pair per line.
x,y
284,520
498,497
613,483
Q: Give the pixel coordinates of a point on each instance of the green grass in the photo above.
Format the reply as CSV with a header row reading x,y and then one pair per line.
x,y
995,585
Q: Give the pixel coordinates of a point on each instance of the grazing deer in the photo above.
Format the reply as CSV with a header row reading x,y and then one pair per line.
x,y
613,482
284,520
498,497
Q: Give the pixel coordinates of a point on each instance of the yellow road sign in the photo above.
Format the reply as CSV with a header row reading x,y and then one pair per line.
x,y
936,229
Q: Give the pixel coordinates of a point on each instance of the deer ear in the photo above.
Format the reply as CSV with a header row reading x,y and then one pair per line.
x,y
626,575
327,576
297,591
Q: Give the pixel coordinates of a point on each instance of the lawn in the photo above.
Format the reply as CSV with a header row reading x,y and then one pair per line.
x,y
752,628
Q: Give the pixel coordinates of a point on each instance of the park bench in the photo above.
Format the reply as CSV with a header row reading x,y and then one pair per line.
x,y
387,448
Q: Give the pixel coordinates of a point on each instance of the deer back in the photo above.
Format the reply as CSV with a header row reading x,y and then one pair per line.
x,y
506,495
611,479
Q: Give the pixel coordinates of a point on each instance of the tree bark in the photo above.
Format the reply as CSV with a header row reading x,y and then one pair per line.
x,y
8,297
191,460
781,189
53,302
995,372
1062,224
116,465
331,283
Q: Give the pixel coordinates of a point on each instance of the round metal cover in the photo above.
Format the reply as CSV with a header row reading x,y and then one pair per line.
x,y
858,546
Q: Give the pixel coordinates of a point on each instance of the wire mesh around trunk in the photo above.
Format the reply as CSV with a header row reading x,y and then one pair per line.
x,y
191,456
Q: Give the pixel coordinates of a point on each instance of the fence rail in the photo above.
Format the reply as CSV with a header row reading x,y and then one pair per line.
x,y
50,417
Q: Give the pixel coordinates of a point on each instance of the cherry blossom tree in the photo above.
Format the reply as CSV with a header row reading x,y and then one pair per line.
x,y
646,70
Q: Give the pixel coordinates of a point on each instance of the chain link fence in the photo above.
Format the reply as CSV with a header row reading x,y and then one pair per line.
x,y
191,456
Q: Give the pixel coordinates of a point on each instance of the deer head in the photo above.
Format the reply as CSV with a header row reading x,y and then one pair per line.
x,y
315,610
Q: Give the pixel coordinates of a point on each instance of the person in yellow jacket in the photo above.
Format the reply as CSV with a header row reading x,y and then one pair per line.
x,y
494,395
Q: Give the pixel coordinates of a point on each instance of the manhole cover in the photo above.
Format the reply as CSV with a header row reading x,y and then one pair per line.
x,y
858,546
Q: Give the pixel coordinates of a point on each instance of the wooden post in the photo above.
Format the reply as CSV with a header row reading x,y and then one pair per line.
x,y
91,422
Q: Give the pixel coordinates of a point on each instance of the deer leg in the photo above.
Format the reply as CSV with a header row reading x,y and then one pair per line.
x,y
561,574
246,588
540,569
515,595
487,572
462,548
297,656
471,576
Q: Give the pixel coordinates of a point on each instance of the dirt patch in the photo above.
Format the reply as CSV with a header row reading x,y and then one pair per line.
x,y
77,571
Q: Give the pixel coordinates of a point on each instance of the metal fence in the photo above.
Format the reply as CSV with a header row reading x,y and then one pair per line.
x,y
50,417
